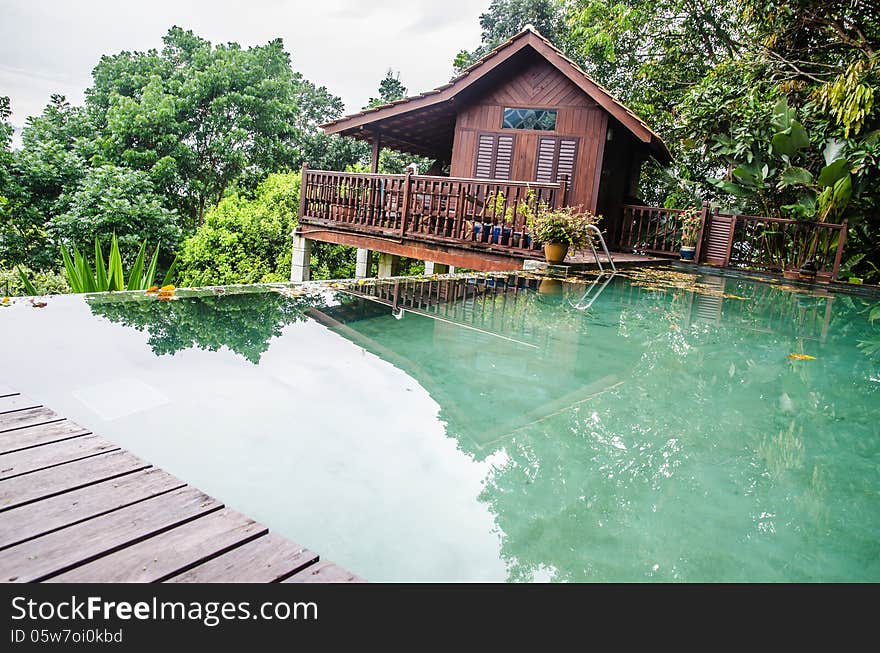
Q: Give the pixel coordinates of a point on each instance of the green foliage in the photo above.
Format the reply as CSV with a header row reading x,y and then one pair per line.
x,y
12,282
390,89
504,18
391,162
162,136
111,199
569,225
199,117
690,222
245,239
53,159
81,278
243,323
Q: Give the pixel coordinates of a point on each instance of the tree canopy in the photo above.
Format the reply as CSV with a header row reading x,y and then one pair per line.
x,y
162,136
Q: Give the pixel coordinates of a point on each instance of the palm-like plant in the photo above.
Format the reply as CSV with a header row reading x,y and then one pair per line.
x,y
111,276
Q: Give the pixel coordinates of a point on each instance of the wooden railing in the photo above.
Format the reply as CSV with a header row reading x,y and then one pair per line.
x,y
743,241
777,244
651,230
447,209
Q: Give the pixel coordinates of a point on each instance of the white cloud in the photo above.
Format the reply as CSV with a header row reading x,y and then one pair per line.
x,y
346,45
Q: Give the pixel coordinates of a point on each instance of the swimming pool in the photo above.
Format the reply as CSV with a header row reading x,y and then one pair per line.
x,y
498,429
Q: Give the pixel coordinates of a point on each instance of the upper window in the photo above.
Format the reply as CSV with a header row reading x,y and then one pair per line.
x,y
540,119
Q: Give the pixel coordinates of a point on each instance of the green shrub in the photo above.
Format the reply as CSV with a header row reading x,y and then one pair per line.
x,y
113,200
48,283
243,239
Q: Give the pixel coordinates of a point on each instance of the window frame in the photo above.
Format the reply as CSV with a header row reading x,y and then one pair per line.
x,y
557,148
555,110
494,163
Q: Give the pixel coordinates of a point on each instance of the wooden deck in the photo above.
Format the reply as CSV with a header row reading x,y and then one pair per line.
x,y
75,507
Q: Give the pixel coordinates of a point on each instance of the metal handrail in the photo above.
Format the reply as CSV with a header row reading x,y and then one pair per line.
x,y
580,305
593,227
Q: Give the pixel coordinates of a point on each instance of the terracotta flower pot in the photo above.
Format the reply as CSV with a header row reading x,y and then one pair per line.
x,y
555,253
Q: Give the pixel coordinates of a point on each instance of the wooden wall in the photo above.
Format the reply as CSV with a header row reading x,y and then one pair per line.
x,y
539,86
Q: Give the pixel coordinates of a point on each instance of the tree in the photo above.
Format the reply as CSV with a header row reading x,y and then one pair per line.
x,y
391,161
199,118
390,90
114,200
244,239
504,18
56,148
5,161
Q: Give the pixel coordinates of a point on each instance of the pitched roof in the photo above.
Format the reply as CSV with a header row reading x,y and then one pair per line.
x,y
529,37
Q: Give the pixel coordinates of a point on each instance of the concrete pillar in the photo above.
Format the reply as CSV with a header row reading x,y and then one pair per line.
x,y
451,269
300,262
435,268
362,266
389,264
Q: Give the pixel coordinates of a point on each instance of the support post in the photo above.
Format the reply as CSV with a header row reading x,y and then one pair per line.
x,y
362,264
377,146
563,192
838,257
301,260
703,217
407,190
389,265
302,190
435,268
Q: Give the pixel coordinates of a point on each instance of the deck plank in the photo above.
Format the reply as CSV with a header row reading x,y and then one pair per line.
x,y
75,507
12,403
34,436
171,552
24,418
35,519
49,482
265,560
51,455
62,550
324,572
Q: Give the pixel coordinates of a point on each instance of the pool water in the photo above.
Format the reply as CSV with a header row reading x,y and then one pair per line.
x,y
664,426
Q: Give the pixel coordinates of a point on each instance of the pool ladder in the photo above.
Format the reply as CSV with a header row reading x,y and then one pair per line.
x,y
595,229
595,289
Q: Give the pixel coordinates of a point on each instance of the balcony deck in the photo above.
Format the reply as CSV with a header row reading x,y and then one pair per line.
x,y
472,223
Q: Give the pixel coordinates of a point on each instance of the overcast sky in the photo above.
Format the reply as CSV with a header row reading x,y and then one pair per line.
x,y
51,46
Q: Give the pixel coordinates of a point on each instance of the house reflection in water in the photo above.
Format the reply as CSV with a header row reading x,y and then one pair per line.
x,y
502,352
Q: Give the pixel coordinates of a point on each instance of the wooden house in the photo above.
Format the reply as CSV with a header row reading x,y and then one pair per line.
x,y
523,124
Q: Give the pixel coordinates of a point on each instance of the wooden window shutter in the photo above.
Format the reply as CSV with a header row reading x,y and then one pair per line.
x,y
546,170
567,155
504,157
556,157
494,157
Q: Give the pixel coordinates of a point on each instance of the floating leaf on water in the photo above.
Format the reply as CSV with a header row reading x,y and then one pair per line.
x,y
732,370
674,327
800,357
735,297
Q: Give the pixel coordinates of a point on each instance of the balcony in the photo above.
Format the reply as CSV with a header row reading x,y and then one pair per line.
x,y
465,222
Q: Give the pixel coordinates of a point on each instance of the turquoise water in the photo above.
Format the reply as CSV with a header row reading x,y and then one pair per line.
x,y
500,430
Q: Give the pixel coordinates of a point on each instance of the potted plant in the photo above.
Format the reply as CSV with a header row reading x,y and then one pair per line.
x,y
561,229
691,222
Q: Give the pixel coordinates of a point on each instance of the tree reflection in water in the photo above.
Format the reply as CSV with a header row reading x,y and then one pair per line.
x,y
244,322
